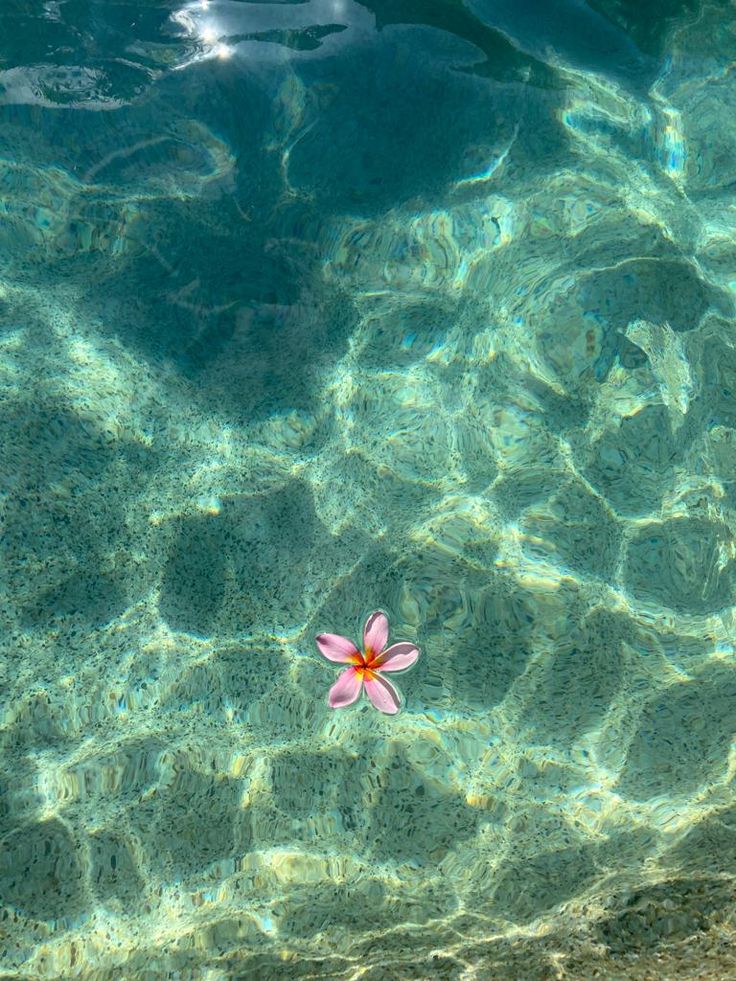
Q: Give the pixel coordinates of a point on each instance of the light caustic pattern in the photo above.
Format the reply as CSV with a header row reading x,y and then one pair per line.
x,y
522,446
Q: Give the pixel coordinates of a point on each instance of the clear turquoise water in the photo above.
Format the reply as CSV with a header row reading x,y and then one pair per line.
x,y
310,309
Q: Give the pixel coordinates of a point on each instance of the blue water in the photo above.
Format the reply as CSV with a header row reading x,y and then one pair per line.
x,y
313,309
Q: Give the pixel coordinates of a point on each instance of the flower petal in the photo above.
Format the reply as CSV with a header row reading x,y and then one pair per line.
x,y
397,657
346,689
375,632
382,693
337,648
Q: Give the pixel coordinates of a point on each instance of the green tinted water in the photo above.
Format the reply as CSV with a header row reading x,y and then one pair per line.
x,y
311,309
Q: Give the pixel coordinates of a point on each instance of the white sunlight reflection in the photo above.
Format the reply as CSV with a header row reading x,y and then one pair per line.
x,y
204,30
266,31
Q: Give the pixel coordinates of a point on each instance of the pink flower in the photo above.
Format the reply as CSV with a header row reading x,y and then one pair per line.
x,y
367,667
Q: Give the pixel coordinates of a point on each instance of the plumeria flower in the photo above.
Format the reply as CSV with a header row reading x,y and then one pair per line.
x,y
367,666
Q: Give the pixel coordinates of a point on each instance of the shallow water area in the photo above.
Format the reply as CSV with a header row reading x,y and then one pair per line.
x,y
309,309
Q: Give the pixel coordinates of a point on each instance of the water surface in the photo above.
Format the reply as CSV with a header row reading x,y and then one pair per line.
x,y
312,308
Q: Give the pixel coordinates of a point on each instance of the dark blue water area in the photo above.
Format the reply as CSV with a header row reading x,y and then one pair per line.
x,y
395,102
